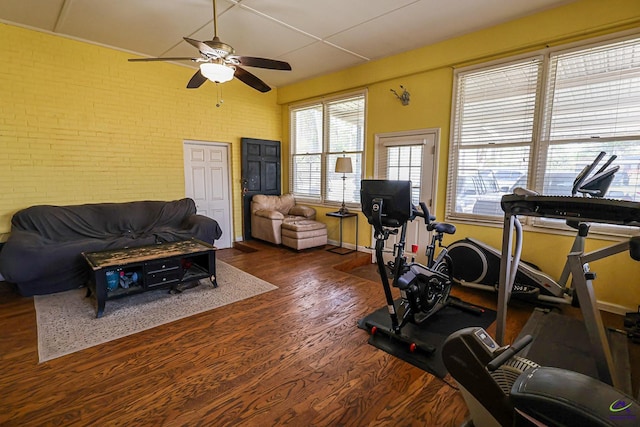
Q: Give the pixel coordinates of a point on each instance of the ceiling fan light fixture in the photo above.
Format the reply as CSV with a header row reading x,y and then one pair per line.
x,y
218,73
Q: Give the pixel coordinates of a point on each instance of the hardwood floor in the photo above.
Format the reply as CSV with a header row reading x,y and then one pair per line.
x,y
293,356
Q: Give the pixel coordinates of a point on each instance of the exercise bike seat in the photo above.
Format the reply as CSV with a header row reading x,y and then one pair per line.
x,y
558,397
442,227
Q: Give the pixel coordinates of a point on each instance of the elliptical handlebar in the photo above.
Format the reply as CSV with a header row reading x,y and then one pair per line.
x,y
595,184
509,353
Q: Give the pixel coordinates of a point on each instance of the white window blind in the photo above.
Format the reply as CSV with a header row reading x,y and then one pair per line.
x,y
321,133
592,104
306,162
404,163
594,93
508,122
493,130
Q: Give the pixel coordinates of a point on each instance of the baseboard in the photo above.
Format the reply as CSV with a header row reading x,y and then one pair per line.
x,y
349,246
615,308
344,244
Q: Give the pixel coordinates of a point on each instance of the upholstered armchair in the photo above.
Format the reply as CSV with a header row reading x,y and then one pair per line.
x,y
269,212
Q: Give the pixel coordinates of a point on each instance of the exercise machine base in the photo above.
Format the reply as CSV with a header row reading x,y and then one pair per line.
x,y
427,337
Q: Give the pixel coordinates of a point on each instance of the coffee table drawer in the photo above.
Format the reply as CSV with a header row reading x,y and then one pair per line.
x,y
162,265
162,277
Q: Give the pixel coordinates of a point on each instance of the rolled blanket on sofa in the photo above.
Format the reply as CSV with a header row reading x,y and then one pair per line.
x,y
43,252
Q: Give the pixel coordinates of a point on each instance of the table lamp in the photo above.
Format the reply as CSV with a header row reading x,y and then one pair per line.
x,y
343,166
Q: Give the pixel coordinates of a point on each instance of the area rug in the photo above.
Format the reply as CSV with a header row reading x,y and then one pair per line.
x,y
67,320
432,332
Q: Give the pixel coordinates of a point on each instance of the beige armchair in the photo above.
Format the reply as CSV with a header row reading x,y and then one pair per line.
x,y
269,212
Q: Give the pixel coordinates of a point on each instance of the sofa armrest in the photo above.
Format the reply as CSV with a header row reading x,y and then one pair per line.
x,y
269,214
304,211
203,227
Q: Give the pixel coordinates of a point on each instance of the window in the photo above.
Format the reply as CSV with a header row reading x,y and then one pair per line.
x,y
511,127
320,133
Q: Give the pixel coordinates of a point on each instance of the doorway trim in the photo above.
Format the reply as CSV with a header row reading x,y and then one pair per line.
x,y
229,206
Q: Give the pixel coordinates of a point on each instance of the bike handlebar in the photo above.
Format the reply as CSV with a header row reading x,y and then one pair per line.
x,y
424,214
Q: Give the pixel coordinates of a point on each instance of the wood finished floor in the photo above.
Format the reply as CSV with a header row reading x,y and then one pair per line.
x,y
293,356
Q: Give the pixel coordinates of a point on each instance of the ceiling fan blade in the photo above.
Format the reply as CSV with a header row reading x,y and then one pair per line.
x,y
196,80
161,59
271,64
251,80
201,46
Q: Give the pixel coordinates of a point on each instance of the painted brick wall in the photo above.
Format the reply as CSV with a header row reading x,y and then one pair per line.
x,y
80,124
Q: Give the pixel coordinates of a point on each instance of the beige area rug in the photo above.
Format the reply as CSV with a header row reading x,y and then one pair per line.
x,y
67,320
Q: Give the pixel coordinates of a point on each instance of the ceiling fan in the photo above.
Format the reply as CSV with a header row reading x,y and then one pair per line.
x,y
219,63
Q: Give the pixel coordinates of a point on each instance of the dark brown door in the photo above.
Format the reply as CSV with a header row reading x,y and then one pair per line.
x,y
260,174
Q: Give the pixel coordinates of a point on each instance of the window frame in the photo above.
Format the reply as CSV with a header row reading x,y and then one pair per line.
x,y
326,169
539,145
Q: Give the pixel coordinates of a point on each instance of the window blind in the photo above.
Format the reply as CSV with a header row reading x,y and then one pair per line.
x,y
494,122
321,133
538,122
306,171
592,104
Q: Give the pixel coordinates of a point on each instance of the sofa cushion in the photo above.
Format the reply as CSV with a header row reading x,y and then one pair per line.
x,y
300,210
281,204
269,214
298,225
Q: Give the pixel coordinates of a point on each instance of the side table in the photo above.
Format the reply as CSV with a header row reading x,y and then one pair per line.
x,y
340,250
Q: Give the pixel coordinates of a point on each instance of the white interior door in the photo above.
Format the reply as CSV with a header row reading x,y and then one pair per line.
x,y
410,156
207,182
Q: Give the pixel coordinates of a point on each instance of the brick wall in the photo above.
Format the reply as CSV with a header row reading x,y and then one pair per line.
x,y
80,124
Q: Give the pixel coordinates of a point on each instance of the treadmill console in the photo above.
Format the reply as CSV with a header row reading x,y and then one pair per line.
x,y
486,339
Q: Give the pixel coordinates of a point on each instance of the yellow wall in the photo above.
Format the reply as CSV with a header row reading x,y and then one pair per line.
x,y
80,124
428,75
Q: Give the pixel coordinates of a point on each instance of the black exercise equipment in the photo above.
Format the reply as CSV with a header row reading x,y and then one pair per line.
x,y
503,389
580,209
424,289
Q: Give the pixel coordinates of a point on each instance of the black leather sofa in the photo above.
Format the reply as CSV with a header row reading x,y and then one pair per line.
x,y
43,252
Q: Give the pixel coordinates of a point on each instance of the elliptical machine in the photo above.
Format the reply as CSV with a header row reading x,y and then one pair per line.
x,y
477,264
424,289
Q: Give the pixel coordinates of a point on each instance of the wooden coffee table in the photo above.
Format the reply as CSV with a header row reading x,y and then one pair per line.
x,y
145,268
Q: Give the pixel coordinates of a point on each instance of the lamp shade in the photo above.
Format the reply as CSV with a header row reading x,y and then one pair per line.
x,y
218,73
343,165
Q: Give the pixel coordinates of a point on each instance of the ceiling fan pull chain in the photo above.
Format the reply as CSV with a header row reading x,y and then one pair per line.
x,y
219,95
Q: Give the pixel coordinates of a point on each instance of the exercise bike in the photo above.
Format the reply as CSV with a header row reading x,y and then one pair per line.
x,y
503,389
424,289
478,264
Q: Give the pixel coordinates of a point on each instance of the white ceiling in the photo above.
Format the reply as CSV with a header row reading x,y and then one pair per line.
x,y
315,36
